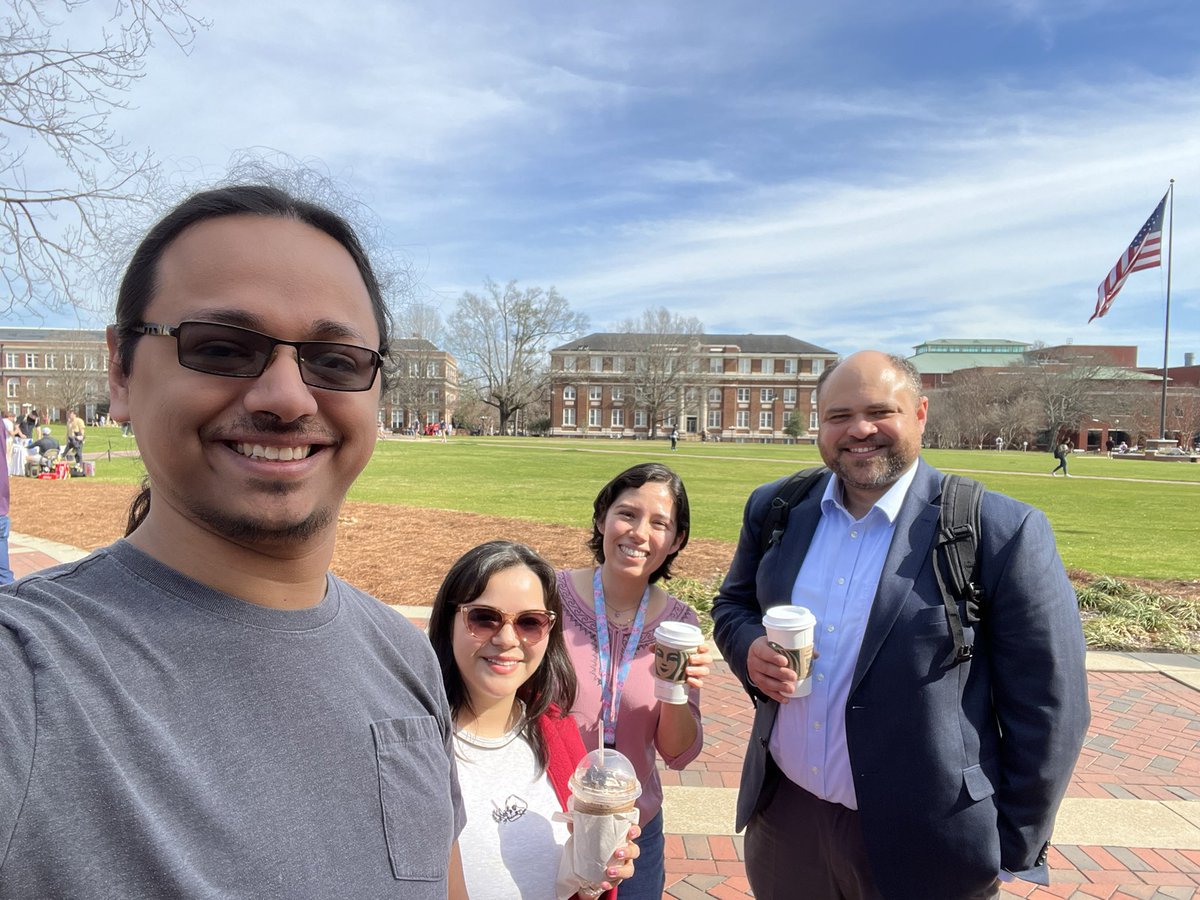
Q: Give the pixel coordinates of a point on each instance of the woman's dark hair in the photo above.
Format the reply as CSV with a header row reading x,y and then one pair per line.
x,y
553,682
632,479
141,276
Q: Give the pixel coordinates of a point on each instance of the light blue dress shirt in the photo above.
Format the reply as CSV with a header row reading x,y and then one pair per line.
x,y
837,583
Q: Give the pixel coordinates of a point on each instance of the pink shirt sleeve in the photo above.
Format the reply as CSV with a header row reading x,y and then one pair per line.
x,y
637,717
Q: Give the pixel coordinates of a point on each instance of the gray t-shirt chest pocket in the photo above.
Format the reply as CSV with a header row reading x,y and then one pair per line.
x,y
414,789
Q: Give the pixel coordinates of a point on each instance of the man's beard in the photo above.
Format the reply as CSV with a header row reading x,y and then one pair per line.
x,y
249,529
872,474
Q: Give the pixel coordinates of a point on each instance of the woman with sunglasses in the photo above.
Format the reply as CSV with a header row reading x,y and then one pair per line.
x,y
495,629
640,523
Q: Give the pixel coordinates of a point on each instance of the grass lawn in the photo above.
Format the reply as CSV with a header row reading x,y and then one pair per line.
x,y
1122,518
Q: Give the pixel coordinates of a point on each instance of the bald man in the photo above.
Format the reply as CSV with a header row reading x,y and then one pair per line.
x,y
904,774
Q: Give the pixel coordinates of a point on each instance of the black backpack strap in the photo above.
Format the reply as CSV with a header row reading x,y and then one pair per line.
x,y
956,559
792,492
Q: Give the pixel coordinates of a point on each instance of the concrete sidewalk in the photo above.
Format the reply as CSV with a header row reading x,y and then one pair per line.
x,y
1129,828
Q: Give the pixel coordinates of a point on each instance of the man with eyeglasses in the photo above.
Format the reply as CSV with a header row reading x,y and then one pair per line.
x,y
201,709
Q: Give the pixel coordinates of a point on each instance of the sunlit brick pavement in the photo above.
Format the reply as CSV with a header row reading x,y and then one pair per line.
x,y
1143,744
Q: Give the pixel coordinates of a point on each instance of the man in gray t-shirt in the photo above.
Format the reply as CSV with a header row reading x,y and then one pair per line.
x,y
201,709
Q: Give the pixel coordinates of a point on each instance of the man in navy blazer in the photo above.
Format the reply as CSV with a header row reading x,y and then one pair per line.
x,y
902,775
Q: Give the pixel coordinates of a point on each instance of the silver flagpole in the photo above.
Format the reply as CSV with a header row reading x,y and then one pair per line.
x,y
1162,410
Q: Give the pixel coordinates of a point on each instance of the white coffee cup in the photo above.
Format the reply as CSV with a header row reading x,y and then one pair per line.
x,y
790,632
674,643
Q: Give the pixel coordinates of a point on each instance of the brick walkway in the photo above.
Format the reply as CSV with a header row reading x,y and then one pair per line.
x,y
1144,743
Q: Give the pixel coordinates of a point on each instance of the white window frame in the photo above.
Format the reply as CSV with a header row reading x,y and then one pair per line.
x,y
716,365
766,395
568,392
31,360
594,392
766,420
568,363
768,366
714,418
743,365
813,422
594,417
789,395
639,418
743,395
618,418
743,419
568,416
714,395
618,364
618,393
818,366
789,366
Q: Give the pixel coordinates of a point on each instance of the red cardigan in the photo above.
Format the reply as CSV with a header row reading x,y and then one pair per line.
x,y
564,750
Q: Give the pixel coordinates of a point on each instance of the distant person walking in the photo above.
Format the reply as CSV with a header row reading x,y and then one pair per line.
x,y
1060,453
999,444
674,437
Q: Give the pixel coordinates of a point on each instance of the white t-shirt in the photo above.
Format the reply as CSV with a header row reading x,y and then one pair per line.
x,y
510,847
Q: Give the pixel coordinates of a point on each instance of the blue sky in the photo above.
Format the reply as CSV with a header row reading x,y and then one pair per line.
x,y
865,174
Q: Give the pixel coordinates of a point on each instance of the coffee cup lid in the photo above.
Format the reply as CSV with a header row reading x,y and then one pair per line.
x,y
788,617
679,634
611,777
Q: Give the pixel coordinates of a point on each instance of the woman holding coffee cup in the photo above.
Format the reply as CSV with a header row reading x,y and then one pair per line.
x,y
622,629
496,629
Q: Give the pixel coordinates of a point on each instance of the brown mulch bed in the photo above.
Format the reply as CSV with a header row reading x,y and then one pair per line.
x,y
397,553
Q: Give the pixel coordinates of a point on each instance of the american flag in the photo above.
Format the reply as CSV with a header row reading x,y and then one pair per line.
x,y
1144,253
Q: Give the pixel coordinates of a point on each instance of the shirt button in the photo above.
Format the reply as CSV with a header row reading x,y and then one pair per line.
x,y
854,534
820,677
816,726
814,770
829,628
841,581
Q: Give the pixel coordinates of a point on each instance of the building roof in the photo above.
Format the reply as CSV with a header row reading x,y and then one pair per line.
x,y
945,363
608,341
971,345
18,334
418,345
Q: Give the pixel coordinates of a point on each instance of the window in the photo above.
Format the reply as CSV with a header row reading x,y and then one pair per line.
x,y
766,420
31,360
594,417
68,362
432,395
714,395
618,393
693,364
743,395
789,395
11,387
766,395
789,367
568,415
414,369
431,370
812,398
568,364
716,365
812,421
689,396
618,418
10,360
596,363
568,392
743,418
818,366
618,364
714,418
594,392
639,418
744,365
768,367
397,419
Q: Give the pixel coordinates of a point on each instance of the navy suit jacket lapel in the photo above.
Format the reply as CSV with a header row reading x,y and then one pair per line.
x,y
789,556
910,548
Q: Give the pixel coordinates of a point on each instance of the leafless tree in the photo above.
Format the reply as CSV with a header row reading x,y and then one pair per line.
x,y
665,350
1063,392
501,339
65,176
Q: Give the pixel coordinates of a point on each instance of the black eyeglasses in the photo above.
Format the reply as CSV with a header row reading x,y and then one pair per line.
x,y
217,349
485,622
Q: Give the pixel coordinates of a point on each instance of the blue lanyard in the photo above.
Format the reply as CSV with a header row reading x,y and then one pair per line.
x,y
612,684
